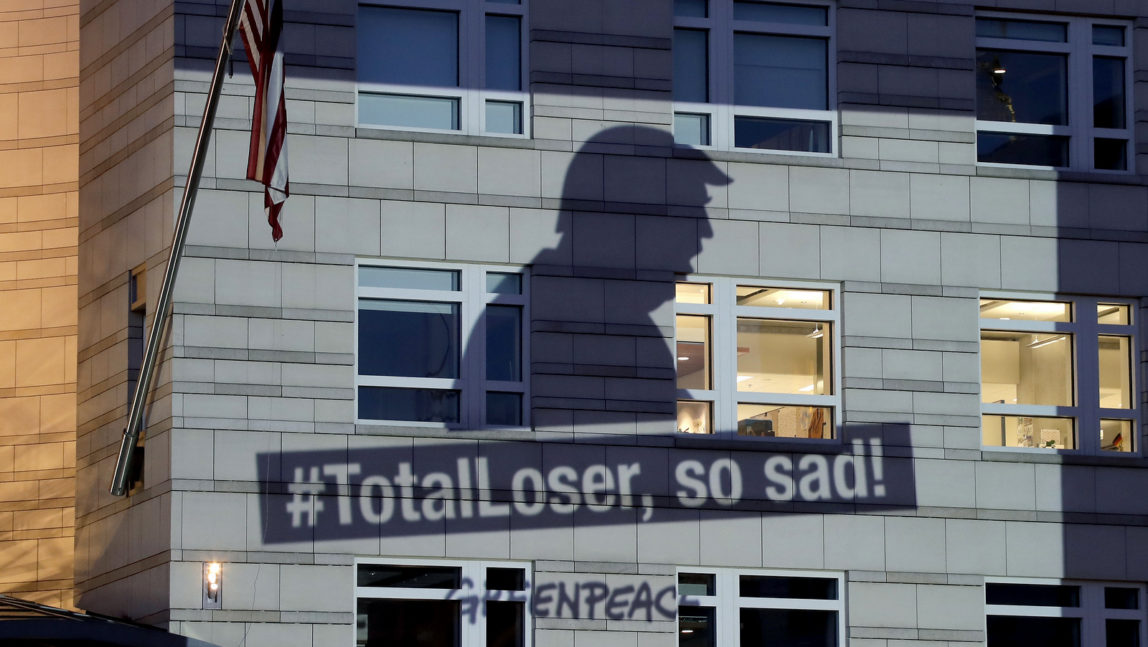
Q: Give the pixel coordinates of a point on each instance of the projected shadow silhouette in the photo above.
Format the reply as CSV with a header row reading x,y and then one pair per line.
x,y
603,391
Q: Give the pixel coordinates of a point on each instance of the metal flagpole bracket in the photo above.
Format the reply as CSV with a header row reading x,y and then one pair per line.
x,y
119,484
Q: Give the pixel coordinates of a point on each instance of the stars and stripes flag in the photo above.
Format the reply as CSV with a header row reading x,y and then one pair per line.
x,y
261,25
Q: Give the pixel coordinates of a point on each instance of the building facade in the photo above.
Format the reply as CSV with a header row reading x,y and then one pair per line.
x,y
705,322
39,140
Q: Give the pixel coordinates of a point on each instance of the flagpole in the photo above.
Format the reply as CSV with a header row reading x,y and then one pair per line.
x,y
119,484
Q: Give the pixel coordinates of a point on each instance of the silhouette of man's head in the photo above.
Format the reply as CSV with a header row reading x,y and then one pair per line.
x,y
640,179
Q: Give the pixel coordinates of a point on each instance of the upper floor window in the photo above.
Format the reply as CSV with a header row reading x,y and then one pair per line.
x,y
754,75
441,344
443,65
756,359
1026,113
1058,375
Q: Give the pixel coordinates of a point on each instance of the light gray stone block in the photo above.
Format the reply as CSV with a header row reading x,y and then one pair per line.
x,y
509,171
865,549
381,163
999,200
850,253
758,186
879,604
939,197
413,229
733,249
477,233
1006,486
878,315
878,194
950,607
350,226
972,260
912,257
443,167
818,190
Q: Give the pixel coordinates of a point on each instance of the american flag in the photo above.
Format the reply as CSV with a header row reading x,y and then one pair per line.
x,y
261,25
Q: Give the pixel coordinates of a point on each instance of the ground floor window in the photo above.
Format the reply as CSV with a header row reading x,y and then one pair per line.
x,y
442,603
1064,614
720,607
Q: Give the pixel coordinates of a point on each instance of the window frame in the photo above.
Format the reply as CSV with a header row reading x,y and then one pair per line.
x,y
727,601
1086,412
724,312
1079,52
472,634
1092,611
471,91
721,110
472,383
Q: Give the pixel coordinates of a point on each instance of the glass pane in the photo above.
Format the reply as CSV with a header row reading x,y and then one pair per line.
x,y
504,117
1026,431
692,293
1032,150
772,420
691,129
802,588
690,8
503,53
695,584
415,405
1121,633
506,1
694,417
505,624
781,356
504,343
408,111
504,409
408,278
1115,372
694,353
386,622
1119,597
1026,368
1110,154
778,627
1033,595
503,283
1107,35
781,13
1108,92
505,579
781,134
780,71
1010,631
1113,313
752,295
1117,436
409,577
691,65
407,46
408,338
696,627
1023,87
1053,32
1026,310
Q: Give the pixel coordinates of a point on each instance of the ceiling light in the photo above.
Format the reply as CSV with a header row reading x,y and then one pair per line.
x,y
808,388
1045,342
683,358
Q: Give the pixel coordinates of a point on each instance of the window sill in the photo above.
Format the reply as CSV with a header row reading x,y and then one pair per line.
x,y
444,137
442,431
1051,458
759,443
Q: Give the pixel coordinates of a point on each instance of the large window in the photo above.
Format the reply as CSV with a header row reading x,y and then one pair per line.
x,y
1025,111
735,607
1052,613
1057,375
756,359
441,344
754,75
453,65
452,604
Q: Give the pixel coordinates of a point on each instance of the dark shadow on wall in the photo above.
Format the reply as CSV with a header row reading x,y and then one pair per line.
x,y
603,395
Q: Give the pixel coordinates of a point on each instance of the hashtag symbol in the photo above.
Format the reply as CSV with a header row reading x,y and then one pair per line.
x,y
304,501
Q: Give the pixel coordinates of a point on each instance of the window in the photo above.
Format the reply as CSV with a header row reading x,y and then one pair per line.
x,y
756,360
465,604
441,345
1064,614
734,607
754,75
453,65
1025,111
1057,375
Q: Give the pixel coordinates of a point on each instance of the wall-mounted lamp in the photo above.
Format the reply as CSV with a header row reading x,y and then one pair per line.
x,y
212,585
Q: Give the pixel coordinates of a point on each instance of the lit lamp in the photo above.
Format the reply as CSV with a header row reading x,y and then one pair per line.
x,y
212,585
